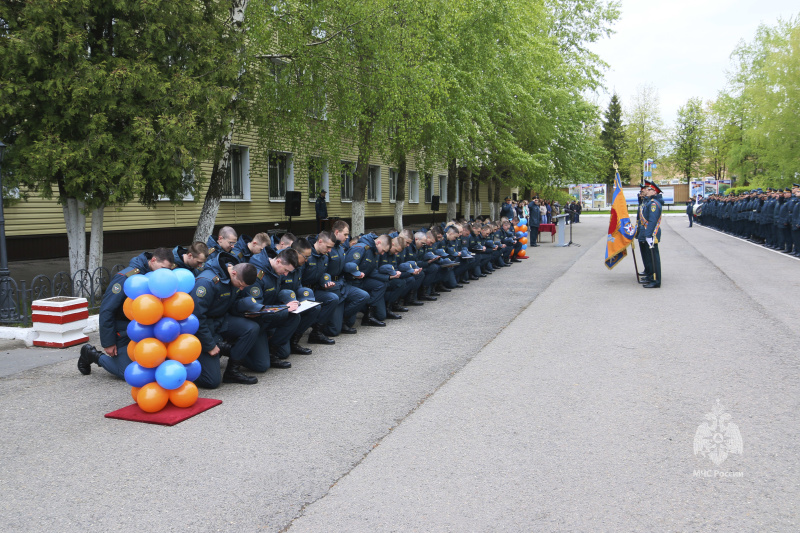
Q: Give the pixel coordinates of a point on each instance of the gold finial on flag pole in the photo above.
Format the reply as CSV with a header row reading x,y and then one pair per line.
x,y
615,165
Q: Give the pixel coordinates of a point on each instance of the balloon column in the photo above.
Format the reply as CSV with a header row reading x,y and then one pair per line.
x,y
522,236
163,348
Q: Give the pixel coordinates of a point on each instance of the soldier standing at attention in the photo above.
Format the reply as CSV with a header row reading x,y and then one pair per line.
x,y
321,208
652,231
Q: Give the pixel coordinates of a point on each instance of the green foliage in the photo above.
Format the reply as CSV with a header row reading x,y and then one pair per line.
x,y
760,107
688,139
644,131
107,101
613,141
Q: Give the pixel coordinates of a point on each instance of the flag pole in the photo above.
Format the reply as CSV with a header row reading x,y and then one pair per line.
x,y
635,263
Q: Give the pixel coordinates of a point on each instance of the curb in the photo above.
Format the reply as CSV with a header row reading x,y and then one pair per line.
x,y
28,335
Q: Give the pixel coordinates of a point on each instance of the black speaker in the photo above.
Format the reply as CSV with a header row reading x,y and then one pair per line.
x,y
293,201
434,203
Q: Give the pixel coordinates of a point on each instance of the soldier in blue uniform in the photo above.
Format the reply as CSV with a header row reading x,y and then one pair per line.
x,y
293,282
266,290
507,210
316,277
415,275
361,267
112,320
246,247
535,220
351,299
192,258
785,220
652,232
795,221
425,257
216,292
226,239
639,235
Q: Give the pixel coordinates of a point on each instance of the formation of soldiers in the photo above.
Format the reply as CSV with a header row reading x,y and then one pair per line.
x,y
768,217
256,297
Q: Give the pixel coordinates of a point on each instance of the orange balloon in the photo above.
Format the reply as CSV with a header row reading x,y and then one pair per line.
x,y
135,393
127,308
152,398
147,309
132,350
521,253
523,240
150,352
516,228
178,306
185,395
523,229
185,349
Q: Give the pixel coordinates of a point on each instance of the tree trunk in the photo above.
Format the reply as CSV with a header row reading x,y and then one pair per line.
x,y
400,197
468,195
476,191
497,200
361,177
452,187
208,214
490,199
75,221
96,246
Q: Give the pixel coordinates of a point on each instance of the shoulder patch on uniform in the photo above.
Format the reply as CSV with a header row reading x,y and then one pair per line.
x,y
215,280
132,272
200,292
653,207
211,251
117,288
356,255
260,274
255,291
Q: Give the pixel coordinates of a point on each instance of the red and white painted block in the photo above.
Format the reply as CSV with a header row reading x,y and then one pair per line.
x,y
60,321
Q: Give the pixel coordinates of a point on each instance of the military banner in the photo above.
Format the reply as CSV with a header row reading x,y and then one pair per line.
x,y
621,229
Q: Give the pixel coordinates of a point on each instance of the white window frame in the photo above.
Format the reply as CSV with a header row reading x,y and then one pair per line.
x,y
374,184
443,189
429,188
289,186
244,153
348,169
393,176
186,197
325,185
413,186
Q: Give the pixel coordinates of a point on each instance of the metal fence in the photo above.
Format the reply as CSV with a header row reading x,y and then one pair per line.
x,y
16,298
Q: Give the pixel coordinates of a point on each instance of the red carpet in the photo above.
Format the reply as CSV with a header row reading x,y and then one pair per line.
x,y
169,416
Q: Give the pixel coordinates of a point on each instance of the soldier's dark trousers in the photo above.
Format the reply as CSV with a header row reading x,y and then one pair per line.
x,y
655,262
249,349
787,237
117,365
690,221
644,249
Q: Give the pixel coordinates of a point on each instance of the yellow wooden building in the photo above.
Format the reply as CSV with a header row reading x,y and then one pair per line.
x,y
253,202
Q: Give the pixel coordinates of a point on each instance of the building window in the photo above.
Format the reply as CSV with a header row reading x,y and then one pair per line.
x,y
317,178
348,172
374,184
236,184
393,185
413,187
442,188
428,188
280,172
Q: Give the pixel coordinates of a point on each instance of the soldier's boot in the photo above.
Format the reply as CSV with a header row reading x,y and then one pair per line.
x,y
294,345
411,300
233,374
317,337
397,308
89,355
370,320
424,297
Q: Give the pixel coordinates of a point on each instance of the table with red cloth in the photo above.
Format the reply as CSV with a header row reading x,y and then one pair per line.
x,y
547,227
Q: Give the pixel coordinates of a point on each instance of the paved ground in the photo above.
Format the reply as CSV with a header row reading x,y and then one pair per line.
x,y
554,395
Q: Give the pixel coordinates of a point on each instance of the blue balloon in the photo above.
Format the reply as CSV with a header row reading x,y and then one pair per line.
x,y
523,222
520,234
138,332
170,374
189,325
185,280
163,283
138,376
524,246
167,330
193,370
135,286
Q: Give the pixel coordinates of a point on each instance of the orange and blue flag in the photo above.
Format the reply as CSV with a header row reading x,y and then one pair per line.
x,y
621,229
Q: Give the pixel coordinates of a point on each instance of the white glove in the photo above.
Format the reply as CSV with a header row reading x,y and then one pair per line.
x,y
649,241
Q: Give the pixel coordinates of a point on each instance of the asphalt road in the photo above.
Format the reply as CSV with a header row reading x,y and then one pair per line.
x,y
552,396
